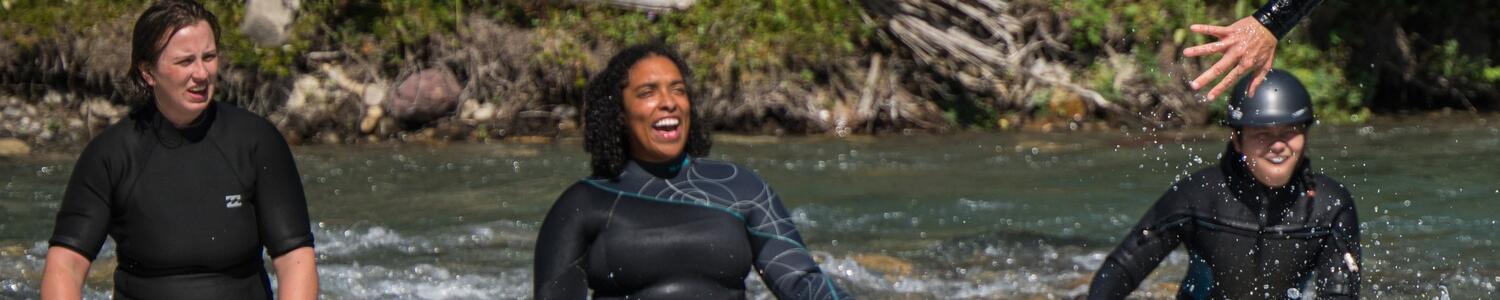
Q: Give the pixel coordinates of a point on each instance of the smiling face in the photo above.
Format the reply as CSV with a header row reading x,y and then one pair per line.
x,y
656,110
1272,152
183,76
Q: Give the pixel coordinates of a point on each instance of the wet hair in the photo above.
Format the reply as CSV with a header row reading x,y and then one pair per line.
x,y
604,136
153,31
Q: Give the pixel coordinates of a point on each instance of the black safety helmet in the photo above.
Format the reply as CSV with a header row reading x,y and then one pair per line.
x,y
1280,99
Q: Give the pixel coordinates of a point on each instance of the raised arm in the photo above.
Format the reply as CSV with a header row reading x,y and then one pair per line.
x,y
1248,45
1280,16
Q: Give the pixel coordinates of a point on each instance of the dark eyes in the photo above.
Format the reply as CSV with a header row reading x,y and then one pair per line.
x,y
648,91
206,58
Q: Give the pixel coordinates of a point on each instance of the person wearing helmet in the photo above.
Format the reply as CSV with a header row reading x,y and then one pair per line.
x,y
1259,225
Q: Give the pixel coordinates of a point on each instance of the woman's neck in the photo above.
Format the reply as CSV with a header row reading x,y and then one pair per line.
x,y
179,118
665,169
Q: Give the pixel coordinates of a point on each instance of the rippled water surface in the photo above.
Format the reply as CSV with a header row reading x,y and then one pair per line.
x,y
1003,215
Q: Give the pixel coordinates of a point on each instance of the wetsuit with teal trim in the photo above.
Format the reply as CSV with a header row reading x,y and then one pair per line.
x,y
190,209
1280,16
689,229
1244,240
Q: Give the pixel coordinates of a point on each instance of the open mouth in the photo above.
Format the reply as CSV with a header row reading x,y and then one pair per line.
x,y
667,129
1277,160
199,93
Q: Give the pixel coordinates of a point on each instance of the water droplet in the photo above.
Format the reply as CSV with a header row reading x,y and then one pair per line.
x,y
1293,293
1406,203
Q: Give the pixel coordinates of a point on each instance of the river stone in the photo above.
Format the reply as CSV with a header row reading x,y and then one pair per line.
x,y
98,107
886,264
266,21
484,112
371,120
12,147
425,96
374,93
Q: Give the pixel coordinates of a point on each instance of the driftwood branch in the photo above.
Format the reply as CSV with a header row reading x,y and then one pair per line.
x,y
982,43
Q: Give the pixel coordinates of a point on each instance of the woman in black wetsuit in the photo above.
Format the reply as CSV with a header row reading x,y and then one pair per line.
x,y
657,220
1258,226
192,191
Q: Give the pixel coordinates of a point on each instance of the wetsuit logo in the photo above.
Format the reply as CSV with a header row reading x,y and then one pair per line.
x,y
232,201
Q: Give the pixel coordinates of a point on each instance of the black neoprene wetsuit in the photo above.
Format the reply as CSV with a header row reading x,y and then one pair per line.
x,y
1280,16
690,229
189,209
1244,239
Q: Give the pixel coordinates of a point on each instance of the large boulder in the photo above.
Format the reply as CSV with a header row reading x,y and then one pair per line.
x,y
424,96
266,21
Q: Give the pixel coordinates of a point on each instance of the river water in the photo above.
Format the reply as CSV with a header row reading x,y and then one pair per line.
x,y
998,215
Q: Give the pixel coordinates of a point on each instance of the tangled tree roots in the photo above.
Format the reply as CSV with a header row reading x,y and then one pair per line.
x,y
1015,50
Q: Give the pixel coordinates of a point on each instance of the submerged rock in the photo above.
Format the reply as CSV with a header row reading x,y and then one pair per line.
x,y
884,264
12,147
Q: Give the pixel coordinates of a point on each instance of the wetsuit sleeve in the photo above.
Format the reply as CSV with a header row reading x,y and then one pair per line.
x,y
1280,16
1338,263
785,264
1144,247
84,218
280,204
561,246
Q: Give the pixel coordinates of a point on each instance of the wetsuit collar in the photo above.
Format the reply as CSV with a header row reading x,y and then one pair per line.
x,y
193,133
668,169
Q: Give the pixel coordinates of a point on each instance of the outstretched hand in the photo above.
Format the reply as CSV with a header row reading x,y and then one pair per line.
x,y
1247,46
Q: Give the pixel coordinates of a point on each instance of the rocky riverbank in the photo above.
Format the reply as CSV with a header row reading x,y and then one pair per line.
x,y
356,72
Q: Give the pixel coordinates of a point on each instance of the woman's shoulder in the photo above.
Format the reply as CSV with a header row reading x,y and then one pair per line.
x,y
1209,178
117,140
240,119
1332,188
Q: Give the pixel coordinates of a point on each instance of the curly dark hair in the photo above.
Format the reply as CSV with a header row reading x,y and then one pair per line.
x,y
604,136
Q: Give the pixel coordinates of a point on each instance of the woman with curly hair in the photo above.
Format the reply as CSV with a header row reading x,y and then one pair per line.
x,y
656,219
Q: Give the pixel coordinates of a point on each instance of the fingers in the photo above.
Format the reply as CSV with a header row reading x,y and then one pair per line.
x,y
1205,49
1234,75
1219,31
1213,72
1260,76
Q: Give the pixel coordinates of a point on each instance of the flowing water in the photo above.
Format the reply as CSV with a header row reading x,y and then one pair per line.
x,y
1005,215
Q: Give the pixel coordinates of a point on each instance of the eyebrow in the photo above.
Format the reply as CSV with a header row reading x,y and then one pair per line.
x,y
192,55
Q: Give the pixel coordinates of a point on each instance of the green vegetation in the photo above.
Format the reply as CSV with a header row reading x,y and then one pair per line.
x,y
780,35
30,22
805,41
